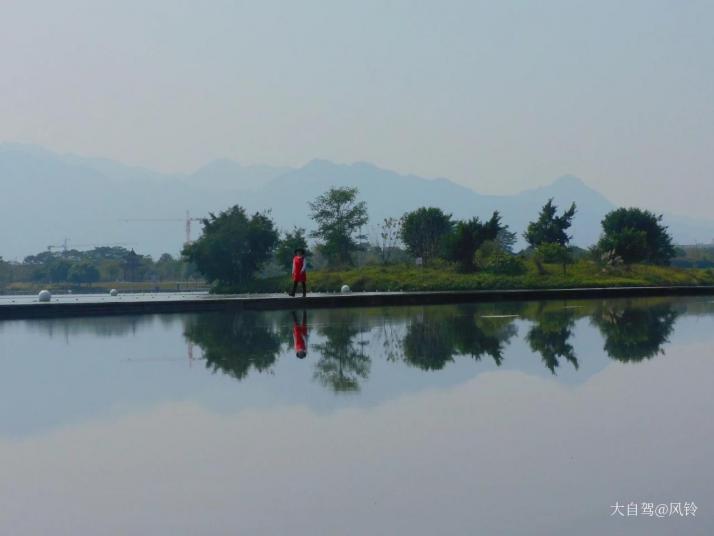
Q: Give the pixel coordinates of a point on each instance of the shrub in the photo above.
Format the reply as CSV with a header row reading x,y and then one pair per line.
x,y
502,263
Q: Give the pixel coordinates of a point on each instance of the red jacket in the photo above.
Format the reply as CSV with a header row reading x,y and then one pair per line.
x,y
299,269
299,337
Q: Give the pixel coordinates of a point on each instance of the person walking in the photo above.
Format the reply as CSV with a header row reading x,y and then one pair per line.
x,y
299,272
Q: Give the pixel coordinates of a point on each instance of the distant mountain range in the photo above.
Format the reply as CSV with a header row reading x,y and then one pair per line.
x,y
47,197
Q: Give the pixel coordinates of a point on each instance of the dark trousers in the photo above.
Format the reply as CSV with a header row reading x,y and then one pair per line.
x,y
304,288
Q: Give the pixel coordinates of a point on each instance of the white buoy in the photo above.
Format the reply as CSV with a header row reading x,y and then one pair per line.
x,y
345,289
113,292
44,296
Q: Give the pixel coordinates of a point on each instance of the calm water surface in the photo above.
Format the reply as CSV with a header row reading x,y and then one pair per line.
x,y
513,418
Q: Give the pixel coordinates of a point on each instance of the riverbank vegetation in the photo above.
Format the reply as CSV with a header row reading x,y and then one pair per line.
x,y
425,249
584,273
98,268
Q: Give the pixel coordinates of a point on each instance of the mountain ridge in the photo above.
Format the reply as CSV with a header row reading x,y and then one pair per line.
x,y
50,196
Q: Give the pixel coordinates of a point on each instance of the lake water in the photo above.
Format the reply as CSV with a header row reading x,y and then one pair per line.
x,y
506,418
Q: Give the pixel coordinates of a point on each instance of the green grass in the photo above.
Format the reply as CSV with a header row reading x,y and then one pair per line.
x,y
444,277
411,278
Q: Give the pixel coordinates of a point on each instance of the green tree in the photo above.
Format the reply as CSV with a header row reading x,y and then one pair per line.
x,y
550,228
54,270
110,270
339,218
636,235
83,272
387,238
287,245
506,239
424,230
468,236
168,268
5,272
131,265
553,253
233,247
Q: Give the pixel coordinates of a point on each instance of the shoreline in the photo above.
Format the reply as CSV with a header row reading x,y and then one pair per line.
x,y
253,302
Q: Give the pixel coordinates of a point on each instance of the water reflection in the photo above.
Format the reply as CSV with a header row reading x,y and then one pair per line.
x,y
635,331
234,344
427,338
101,326
436,336
550,337
535,396
343,361
300,335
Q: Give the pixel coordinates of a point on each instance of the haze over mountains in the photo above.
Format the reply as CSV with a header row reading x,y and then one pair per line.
x,y
47,197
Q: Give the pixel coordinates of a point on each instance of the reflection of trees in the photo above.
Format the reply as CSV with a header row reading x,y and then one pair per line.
x,y
101,326
427,344
435,336
549,337
233,343
387,333
342,362
477,337
635,332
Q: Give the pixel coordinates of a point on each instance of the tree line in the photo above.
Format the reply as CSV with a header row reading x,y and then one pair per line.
x,y
235,246
99,264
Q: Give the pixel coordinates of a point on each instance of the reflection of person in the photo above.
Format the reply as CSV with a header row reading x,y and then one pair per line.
x,y
300,335
299,271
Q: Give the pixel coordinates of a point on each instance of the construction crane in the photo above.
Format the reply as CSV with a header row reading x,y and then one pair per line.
x,y
187,222
65,246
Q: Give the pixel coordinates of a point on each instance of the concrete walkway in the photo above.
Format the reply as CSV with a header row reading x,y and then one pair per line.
x,y
68,305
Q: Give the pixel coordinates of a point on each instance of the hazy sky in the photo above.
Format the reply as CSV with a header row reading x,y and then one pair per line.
x,y
497,95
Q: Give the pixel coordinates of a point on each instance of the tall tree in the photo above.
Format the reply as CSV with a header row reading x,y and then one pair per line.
x,y
550,228
131,264
636,235
506,240
424,230
233,247
387,238
5,272
287,245
339,218
468,236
